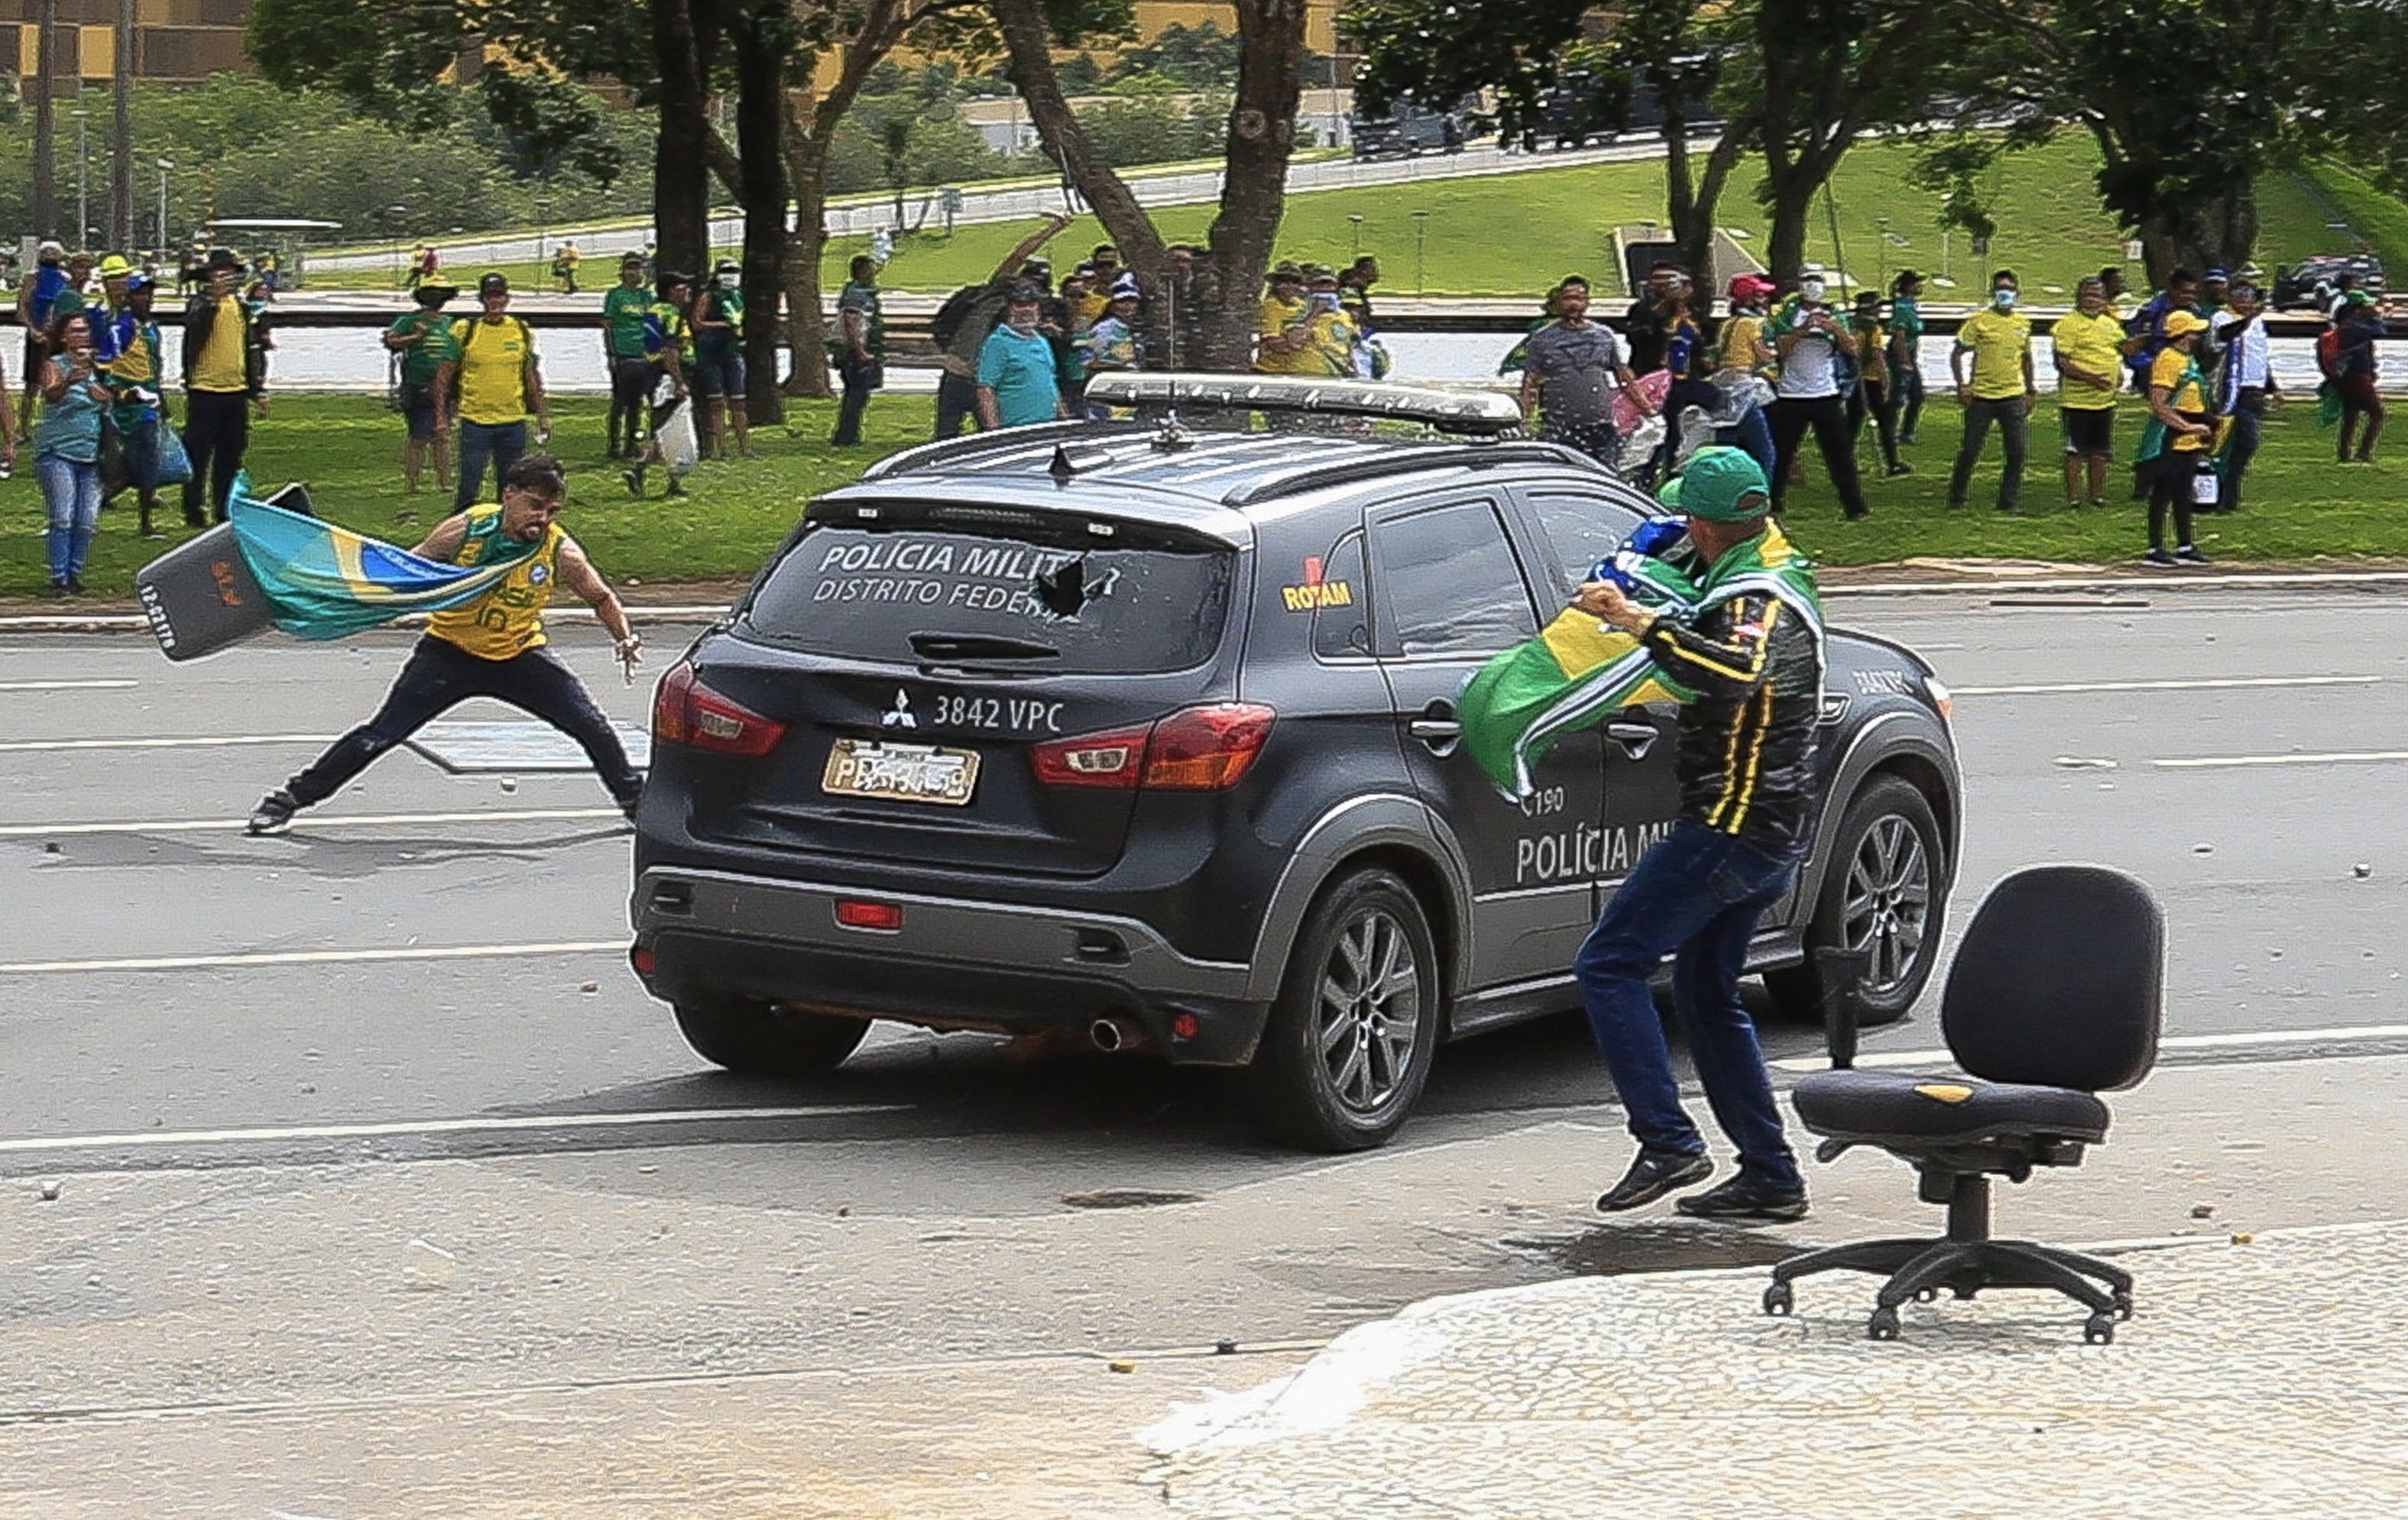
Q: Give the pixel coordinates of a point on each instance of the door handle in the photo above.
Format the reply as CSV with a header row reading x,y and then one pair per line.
x,y
1438,727
1636,738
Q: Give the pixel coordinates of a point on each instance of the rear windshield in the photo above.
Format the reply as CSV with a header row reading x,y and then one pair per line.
x,y
1024,591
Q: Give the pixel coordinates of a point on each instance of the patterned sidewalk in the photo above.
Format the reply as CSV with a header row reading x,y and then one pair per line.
x,y
2260,1377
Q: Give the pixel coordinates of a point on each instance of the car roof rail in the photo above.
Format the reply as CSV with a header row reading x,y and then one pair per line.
x,y
1477,413
1407,461
966,450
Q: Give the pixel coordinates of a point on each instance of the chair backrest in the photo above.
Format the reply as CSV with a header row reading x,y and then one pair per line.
x,y
2059,982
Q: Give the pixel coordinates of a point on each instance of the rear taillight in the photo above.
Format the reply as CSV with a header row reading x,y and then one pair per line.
x,y
1201,748
1116,758
685,711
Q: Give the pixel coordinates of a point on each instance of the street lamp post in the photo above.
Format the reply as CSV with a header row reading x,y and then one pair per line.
x,y
542,225
164,165
1883,222
393,218
1356,218
1421,232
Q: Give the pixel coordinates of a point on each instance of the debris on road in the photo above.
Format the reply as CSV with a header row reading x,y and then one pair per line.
x,y
428,1267
47,1192
2361,870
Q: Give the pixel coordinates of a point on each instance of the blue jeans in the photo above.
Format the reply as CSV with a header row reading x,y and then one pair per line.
x,y
859,378
71,491
500,442
1697,896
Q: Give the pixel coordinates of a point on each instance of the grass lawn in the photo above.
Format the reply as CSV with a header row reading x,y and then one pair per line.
x,y
1505,234
2302,505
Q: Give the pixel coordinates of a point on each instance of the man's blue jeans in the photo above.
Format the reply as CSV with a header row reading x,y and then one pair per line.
x,y
1697,895
499,442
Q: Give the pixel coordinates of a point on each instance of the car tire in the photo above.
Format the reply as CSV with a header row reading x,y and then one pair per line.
x,y
1887,887
1334,1071
757,1038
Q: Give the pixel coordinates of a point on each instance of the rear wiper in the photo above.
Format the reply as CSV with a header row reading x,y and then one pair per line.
x,y
950,646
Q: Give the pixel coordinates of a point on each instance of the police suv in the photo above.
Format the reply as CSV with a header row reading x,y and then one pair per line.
x,y
1149,731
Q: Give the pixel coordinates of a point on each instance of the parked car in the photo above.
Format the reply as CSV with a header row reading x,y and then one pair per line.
x,y
2312,281
1151,733
1408,131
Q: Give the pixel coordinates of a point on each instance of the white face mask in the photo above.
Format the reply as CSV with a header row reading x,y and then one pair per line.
x,y
2003,299
1810,289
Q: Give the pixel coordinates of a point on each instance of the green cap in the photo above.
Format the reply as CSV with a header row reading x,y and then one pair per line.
x,y
1722,484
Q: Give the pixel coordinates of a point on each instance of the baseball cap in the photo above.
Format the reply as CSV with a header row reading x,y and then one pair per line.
x,y
1319,273
493,282
1124,289
2180,323
727,266
137,280
51,249
221,258
2214,274
1722,484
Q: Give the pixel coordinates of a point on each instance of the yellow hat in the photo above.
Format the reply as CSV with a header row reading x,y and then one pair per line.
x,y
115,267
2179,323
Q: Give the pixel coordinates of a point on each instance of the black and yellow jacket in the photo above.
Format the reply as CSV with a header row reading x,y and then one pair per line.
x,y
1745,753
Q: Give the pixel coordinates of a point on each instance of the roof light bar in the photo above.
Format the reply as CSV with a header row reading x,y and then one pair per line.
x,y
1485,412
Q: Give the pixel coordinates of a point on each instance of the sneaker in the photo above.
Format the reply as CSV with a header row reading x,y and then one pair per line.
x,y
2189,554
1653,1174
195,520
1901,467
1745,1197
75,585
58,588
274,814
2160,558
635,479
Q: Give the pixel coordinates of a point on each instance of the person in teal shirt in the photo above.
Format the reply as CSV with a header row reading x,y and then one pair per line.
x,y
1018,382
1906,352
66,449
624,313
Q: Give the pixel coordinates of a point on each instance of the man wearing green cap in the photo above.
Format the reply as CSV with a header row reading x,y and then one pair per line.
x,y
1752,656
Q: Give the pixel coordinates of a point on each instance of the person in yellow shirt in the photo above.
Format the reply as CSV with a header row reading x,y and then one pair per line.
x,y
1285,337
490,385
226,383
2173,448
2000,390
493,646
2089,370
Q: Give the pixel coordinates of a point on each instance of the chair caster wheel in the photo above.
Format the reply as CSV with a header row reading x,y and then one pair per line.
x,y
1883,1326
2123,1305
1778,1299
1925,1295
2099,1330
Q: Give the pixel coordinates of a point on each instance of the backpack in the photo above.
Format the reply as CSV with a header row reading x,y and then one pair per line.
x,y
947,324
2328,353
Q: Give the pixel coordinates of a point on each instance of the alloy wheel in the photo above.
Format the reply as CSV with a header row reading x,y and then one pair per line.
x,y
1368,1011
1889,905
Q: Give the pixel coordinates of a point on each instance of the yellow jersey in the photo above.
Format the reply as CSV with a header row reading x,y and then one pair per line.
x,y
1278,316
2174,373
2095,344
507,621
1999,341
494,356
218,366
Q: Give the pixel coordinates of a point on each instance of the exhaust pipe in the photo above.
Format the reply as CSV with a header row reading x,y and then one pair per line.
x,y
1108,1035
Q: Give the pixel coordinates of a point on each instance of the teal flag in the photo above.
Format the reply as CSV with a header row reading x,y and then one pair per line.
x,y
326,582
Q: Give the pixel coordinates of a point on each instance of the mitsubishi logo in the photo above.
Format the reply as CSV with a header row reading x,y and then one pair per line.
x,y
899,716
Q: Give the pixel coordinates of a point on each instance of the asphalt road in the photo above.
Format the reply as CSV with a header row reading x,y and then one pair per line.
x,y
268,1070
422,947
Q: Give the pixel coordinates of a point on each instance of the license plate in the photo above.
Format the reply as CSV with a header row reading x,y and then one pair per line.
x,y
868,768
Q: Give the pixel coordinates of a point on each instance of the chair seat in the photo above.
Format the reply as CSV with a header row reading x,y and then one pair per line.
x,y
1854,1104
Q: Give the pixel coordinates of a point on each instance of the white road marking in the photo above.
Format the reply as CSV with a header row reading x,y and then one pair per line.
x,y
306,823
63,686
499,1125
2203,684
202,741
2230,762
2343,1034
313,957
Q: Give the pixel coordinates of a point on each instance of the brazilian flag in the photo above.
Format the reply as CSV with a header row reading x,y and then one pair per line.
x,y
326,582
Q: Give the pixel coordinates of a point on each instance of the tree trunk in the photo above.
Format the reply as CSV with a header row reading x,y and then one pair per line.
x,y
1793,200
806,322
760,141
121,132
680,160
1253,186
1692,201
46,163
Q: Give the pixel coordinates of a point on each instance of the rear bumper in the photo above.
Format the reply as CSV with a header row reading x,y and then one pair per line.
x,y
954,963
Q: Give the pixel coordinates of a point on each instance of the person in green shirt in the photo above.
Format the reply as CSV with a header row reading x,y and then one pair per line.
x,y
420,343
624,311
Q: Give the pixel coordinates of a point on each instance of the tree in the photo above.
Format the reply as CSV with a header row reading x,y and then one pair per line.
x,y
2188,101
1214,329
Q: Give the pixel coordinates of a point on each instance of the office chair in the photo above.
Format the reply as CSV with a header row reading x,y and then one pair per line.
x,y
2056,995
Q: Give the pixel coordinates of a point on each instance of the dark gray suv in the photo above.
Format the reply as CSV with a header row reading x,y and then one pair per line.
x,y
1152,734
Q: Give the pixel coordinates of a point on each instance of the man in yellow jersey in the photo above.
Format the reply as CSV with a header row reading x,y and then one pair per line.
x,y
2089,342
225,381
1745,761
1999,390
492,647
1284,346
493,383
